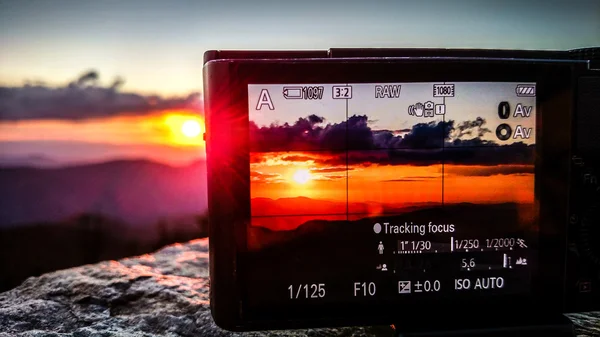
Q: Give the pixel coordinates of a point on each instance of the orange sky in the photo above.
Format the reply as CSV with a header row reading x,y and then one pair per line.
x,y
274,177
161,136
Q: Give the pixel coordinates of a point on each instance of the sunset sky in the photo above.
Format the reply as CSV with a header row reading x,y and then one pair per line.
x,y
169,136
147,56
373,157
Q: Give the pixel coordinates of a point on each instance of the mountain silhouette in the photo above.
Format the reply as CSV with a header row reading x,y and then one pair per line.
x,y
290,213
36,160
482,219
138,192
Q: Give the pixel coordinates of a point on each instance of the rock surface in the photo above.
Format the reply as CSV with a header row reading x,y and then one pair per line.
x,y
163,294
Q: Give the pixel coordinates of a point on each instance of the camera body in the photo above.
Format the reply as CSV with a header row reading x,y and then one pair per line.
x,y
377,186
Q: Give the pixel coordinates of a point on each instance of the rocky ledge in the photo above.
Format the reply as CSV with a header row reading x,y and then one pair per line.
x,y
162,294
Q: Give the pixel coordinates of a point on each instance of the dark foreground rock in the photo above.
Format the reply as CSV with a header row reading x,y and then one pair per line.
x,y
163,294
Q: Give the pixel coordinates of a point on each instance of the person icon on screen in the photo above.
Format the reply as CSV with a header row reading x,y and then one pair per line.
x,y
384,268
380,247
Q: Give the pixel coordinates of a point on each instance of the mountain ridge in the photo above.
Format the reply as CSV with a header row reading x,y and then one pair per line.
x,y
5,163
137,191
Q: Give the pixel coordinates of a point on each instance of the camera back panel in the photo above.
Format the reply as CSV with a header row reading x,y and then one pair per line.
x,y
583,263
283,261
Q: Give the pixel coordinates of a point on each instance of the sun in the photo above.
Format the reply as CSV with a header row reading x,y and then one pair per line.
x,y
302,176
191,128
183,129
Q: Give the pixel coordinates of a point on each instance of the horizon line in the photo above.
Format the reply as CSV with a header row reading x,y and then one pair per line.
x,y
84,163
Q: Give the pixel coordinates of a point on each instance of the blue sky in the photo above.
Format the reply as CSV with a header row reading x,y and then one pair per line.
x,y
157,46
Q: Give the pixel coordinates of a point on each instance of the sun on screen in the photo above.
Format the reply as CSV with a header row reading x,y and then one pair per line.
x,y
302,176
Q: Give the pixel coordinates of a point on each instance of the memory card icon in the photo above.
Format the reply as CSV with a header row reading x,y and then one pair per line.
x,y
525,90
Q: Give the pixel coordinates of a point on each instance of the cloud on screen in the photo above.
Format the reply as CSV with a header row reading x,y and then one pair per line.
x,y
422,144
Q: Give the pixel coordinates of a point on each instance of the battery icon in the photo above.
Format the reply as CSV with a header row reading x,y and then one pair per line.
x,y
525,90
292,92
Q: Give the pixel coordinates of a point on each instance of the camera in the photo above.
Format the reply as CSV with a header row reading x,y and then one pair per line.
x,y
410,186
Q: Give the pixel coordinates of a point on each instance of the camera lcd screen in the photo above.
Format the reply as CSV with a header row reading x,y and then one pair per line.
x,y
390,192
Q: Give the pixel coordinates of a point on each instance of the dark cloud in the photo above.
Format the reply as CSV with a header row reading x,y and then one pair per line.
x,y
314,119
422,135
470,127
314,134
360,135
90,77
489,170
309,134
331,169
297,158
384,157
425,143
516,153
84,98
392,131
302,135
476,141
